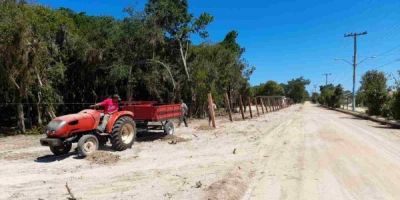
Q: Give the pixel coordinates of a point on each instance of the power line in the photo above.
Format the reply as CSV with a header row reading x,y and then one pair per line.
x,y
388,63
388,51
30,103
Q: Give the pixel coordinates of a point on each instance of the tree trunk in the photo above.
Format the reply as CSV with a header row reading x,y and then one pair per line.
x,y
129,86
184,56
50,111
39,115
20,107
21,117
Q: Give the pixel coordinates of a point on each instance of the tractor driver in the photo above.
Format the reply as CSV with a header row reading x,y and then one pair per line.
x,y
110,106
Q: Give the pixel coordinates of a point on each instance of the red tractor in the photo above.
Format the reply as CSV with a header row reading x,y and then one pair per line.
x,y
121,128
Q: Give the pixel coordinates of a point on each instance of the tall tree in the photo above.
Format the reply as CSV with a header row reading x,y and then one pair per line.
x,y
374,88
296,89
174,17
271,88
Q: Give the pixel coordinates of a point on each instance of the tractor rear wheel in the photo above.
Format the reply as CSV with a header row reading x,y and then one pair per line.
x,y
123,134
87,145
60,150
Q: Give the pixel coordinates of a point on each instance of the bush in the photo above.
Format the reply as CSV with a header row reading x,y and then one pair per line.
x,y
374,89
331,95
387,110
337,96
36,130
395,105
314,97
375,102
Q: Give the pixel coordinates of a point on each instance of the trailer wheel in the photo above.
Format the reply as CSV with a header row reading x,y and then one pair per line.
x,y
60,150
169,128
87,145
123,134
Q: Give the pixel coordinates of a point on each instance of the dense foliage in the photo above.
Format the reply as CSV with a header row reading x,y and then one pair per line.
x,y
331,95
373,93
394,100
270,88
314,97
374,89
294,89
58,61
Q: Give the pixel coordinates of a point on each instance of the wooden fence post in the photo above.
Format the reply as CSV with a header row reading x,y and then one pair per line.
x,y
277,104
270,105
251,113
280,103
228,106
258,112
262,105
211,109
241,106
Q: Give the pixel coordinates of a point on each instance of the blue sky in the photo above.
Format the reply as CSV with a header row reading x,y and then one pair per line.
x,y
287,39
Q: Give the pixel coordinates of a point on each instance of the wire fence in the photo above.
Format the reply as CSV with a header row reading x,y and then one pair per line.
x,y
30,103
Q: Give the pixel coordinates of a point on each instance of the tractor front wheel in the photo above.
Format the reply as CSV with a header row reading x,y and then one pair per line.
x,y
60,150
87,145
123,134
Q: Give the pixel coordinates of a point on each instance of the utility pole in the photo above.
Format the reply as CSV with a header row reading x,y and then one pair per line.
x,y
326,77
354,35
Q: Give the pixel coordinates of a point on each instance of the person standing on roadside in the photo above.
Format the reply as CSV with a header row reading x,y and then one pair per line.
x,y
184,109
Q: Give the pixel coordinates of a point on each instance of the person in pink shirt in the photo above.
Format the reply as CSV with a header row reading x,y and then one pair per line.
x,y
110,106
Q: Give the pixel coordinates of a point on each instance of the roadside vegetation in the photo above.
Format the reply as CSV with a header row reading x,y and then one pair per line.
x,y
374,93
330,95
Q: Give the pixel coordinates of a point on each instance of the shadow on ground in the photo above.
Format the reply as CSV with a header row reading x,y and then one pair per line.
x,y
149,136
53,158
143,136
359,118
384,126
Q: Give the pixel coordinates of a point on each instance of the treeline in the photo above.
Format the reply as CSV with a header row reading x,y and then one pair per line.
x,y
374,94
294,89
58,61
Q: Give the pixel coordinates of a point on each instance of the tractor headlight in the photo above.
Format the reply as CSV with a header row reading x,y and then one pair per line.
x,y
53,126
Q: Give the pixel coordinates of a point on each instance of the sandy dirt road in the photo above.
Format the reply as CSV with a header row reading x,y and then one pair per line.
x,y
323,154
301,152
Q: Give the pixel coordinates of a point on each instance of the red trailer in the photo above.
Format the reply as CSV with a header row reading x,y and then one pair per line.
x,y
149,115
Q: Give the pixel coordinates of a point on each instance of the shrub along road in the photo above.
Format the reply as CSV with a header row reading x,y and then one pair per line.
x,y
301,152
